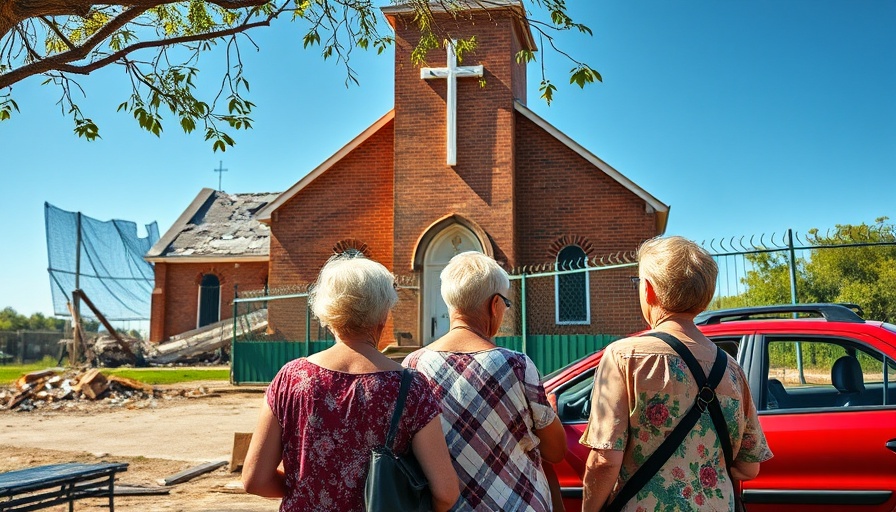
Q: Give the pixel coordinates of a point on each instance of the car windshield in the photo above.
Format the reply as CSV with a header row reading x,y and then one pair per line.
x,y
889,327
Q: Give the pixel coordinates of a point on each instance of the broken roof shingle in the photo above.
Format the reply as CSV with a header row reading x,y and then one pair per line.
x,y
221,225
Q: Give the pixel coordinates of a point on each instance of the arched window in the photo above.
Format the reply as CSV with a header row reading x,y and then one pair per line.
x,y
572,297
209,300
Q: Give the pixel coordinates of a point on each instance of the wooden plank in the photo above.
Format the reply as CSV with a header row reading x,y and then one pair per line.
x,y
138,490
92,384
240,448
131,383
189,474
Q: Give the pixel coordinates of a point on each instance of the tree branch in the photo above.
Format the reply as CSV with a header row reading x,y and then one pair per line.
x,y
93,66
61,61
55,29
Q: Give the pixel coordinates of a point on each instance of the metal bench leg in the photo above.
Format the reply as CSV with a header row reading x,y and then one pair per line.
x,y
112,493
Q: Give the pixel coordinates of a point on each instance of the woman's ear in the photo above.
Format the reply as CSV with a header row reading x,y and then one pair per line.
x,y
493,305
649,293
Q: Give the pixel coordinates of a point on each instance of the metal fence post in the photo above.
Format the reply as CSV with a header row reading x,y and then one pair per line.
x,y
236,295
307,328
793,300
523,312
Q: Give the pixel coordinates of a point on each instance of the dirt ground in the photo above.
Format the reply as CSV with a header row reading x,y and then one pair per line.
x,y
157,440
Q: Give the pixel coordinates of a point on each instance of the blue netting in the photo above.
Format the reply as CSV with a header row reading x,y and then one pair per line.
x,y
113,273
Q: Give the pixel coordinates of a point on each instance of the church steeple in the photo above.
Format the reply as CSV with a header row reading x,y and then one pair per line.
x,y
468,172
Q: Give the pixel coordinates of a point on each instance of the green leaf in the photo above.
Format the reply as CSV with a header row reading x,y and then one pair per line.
x,y
547,91
188,124
582,75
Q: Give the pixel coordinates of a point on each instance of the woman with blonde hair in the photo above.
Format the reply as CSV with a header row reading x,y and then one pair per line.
x,y
324,414
644,388
495,414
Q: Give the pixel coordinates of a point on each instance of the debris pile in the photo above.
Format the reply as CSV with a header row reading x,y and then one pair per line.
x,y
57,389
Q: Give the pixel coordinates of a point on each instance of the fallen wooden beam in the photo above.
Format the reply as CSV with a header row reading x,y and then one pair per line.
x,y
112,332
189,474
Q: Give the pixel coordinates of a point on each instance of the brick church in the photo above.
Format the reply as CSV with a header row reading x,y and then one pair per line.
x,y
460,163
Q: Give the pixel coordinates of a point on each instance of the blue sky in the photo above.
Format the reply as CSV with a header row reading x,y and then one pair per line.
x,y
745,117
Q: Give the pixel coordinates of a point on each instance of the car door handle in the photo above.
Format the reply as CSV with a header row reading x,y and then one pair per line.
x,y
891,444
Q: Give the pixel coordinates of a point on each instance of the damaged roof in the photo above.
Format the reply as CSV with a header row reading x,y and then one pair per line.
x,y
217,225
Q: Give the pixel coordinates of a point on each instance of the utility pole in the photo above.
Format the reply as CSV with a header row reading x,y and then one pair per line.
x,y
220,170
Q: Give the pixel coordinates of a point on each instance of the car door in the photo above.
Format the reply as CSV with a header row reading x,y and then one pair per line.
x,y
833,433
571,394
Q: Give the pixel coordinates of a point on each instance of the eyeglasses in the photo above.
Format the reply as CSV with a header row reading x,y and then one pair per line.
x,y
636,281
506,300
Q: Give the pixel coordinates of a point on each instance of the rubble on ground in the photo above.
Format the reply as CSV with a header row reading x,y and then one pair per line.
x,y
57,389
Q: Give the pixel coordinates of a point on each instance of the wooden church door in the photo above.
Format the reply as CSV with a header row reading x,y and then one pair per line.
x,y
452,240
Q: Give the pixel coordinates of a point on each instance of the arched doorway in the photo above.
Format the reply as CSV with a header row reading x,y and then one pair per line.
x,y
209,300
452,240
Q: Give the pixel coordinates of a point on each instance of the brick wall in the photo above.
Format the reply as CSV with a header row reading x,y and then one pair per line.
x,y
175,297
563,195
351,201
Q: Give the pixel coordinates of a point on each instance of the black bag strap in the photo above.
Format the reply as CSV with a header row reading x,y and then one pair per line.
x,y
715,410
406,378
705,397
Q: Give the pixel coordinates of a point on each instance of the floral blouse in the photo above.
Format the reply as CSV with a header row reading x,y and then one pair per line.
x,y
330,421
641,390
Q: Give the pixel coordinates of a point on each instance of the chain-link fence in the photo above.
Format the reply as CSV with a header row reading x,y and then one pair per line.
x,y
853,264
291,331
29,346
591,296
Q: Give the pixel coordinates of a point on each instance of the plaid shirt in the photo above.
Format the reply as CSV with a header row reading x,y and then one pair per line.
x,y
492,403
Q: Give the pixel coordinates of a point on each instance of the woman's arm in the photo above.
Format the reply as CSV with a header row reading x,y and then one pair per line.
x,y
431,451
744,470
601,473
553,441
261,473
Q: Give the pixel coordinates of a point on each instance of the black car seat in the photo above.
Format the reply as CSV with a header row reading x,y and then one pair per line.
x,y
846,375
777,395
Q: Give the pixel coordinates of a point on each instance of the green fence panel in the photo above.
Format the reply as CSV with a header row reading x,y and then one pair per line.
x,y
554,351
257,362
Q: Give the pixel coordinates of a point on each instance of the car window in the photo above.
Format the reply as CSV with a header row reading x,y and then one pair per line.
x,y
574,398
826,373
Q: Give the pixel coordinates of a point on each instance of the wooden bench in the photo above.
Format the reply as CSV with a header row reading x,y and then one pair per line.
x,y
46,486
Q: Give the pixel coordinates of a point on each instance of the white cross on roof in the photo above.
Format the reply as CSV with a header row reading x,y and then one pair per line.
x,y
451,73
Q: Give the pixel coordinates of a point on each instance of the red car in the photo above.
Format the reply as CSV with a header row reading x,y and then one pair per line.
x,y
824,383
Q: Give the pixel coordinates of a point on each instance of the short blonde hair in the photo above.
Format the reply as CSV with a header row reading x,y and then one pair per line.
x,y
353,295
682,273
470,279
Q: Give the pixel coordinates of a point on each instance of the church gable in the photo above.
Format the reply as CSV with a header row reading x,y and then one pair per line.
x,y
570,194
349,204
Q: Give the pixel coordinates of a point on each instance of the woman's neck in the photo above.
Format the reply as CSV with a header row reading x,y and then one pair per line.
x,y
677,323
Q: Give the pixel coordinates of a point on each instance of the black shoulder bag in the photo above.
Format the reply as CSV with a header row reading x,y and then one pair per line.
x,y
706,401
396,483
